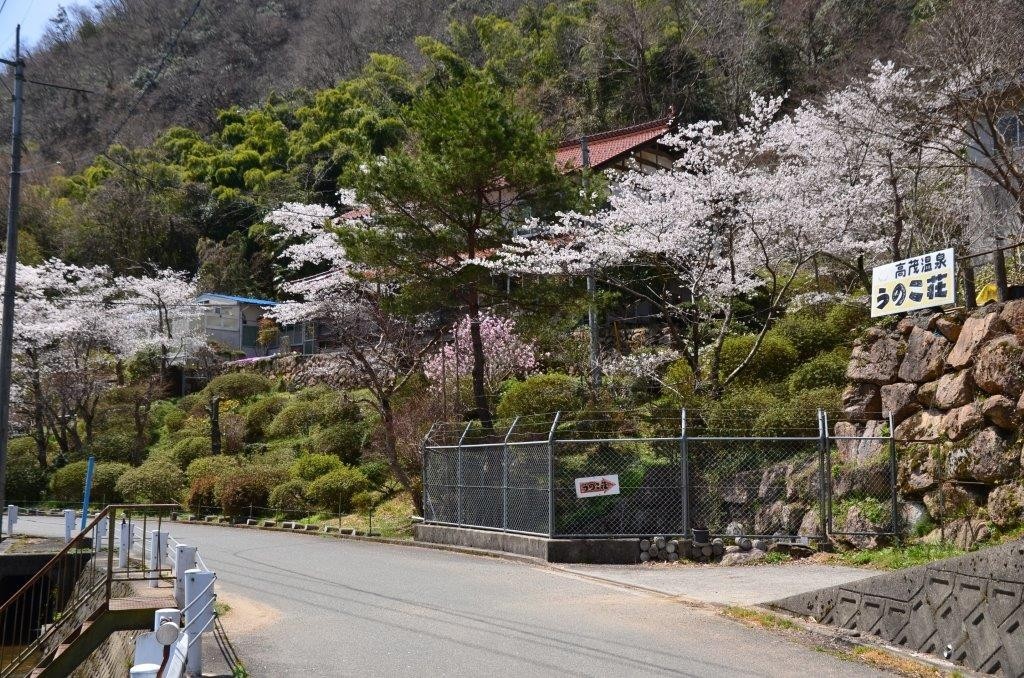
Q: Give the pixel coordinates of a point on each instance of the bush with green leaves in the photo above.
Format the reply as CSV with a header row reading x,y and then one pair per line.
x,y
238,386
680,382
376,471
187,450
736,412
202,495
344,440
26,481
68,482
113,446
290,496
772,362
174,419
259,413
155,482
333,492
826,369
797,416
243,491
847,318
104,482
309,467
216,466
543,393
808,333
297,418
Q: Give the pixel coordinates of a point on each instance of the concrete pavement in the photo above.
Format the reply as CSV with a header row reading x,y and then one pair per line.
x,y
345,608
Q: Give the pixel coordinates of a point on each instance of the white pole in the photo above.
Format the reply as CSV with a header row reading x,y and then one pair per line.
x,y
124,543
184,560
69,524
12,519
199,596
157,545
101,532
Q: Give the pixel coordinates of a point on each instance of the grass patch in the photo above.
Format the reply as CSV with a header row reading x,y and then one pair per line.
x,y
764,620
899,557
392,519
221,609
881,659
776,558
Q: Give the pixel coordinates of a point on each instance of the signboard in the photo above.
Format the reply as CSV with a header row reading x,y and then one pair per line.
x,y
597,486
911,284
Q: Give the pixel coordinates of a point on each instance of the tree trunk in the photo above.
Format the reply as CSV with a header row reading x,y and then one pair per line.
x,y
391,450
482,408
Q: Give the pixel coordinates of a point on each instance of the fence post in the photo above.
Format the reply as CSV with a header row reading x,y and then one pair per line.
x,y
101,530
124,543
199,598
69,524
551,474
684,474
504,477
823,478
1002,288
426,469
970,289
893,480
157,547
458,476
184,560
12,519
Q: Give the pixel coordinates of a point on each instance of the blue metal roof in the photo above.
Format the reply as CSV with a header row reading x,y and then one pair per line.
x,y
241,300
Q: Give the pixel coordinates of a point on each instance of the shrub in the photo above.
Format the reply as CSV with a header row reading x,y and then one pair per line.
x,y
376,471
68,483
309,467
798,415
344,440
216,466
260,413
187,450
155,482
737,411
104,482
26,480
232,433
290,496
237,386
845,318
542,393
22,446
680,382
827,369
249,487
113,446
174,420
775,358
297,418
202,494
334,491
809,334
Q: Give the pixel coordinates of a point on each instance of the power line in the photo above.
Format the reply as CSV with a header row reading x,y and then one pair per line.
x,y
66,87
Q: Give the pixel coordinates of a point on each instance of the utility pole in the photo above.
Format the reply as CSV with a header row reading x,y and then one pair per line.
x,y
11,265
595,345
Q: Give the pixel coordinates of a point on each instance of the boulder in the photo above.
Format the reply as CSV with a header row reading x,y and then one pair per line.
x,y
773,482
999,410
963,533
857,443
913,514
925,356
926,393
759,545
921,427
779,516
875,358
954,389
986,457
862,401
743,557
961,421
1006,505
950,501
1013,315
735,528
998,368
977,329
864,528
863,480
810,526
916,469
948,328
802,483
900,400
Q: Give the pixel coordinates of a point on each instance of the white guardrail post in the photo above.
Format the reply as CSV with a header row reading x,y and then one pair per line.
x,y
101,533
125,537
69,524
199,613
184,560
157,549
12,519
157,653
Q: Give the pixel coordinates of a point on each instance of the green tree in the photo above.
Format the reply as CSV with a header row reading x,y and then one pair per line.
x,y
473,165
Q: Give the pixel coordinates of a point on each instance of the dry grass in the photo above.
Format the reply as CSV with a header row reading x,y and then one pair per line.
x,y
764,620
883,660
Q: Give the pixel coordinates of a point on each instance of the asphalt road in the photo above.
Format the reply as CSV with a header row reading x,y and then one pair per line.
x,y
348,608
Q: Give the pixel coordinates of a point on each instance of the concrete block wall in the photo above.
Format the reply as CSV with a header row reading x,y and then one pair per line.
x,y
968,609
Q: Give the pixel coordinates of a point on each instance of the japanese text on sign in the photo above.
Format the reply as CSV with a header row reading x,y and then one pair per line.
x,y
911,284
597,486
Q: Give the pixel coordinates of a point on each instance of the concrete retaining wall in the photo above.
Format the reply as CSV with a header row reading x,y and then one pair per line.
x,y
968,609
602,551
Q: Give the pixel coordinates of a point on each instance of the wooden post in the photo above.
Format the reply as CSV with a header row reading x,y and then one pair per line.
x,y
1002,288
971,294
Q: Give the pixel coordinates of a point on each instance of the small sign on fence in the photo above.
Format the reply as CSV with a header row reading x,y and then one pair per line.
x,y
597,486
911,284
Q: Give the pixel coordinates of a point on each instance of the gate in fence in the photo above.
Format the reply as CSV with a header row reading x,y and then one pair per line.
x,y
557,477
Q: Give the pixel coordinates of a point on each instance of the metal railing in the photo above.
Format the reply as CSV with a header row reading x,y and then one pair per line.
x,y
74,585
524,479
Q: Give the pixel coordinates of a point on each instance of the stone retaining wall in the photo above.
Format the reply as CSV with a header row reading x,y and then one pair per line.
x,y
300,371
969,609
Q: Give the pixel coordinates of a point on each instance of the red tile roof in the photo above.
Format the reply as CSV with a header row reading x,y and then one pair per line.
x,y
606,147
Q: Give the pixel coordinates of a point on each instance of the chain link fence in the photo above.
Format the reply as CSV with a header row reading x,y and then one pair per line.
x,y
560,477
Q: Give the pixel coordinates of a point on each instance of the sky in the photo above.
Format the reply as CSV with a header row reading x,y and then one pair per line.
x,y
33,15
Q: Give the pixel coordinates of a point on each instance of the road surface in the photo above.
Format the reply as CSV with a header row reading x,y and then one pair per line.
x,y
312,606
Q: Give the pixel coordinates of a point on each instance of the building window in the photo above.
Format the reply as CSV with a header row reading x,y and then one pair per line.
x,y
1011,129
